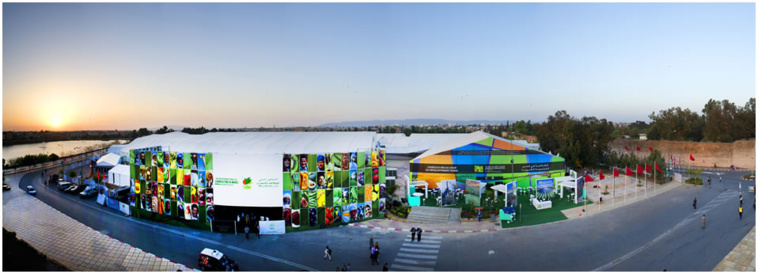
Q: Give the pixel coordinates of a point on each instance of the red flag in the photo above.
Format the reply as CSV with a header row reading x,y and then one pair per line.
x,y
657,168
587,178
648,168
601,175
638,148
628,171
627,149
97,175
639,169
692,158
651,149
615,172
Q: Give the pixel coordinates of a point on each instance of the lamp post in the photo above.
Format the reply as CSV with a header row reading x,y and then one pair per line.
x,y
61,157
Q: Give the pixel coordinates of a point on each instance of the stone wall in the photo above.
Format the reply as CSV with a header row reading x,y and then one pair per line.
x,y
722,155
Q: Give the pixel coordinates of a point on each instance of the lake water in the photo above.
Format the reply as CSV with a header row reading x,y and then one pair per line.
x,y
66,147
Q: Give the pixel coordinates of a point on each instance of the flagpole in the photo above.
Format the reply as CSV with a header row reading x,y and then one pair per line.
x,y
645,180
637,181
654,178
625,187
613,201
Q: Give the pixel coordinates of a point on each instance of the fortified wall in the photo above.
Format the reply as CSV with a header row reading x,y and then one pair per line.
x,y
722,155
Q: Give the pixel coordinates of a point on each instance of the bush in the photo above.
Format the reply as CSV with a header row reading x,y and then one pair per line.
x,y
694,181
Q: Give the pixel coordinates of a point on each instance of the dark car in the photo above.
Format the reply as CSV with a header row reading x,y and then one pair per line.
x,y
76,189
31,190
214,260
88,192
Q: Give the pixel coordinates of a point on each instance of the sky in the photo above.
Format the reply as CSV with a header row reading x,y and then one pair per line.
x,y
90,66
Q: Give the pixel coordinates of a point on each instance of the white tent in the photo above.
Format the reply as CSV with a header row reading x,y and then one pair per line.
x,y
568,182
257,142
119,175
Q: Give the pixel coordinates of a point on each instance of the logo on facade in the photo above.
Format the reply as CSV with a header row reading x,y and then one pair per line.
x,y
479,169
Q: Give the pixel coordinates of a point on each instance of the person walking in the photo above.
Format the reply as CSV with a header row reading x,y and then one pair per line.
x,y
371,242
753,203
419,230
344,267
372,255
703,221
247,232
385,268
413,234
740,210
376,253
327,253
694,203
740,200
349,268
258,228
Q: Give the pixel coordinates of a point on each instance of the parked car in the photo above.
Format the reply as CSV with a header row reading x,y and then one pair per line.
x,y
88,192
71,188
214,260
6,187
64,185
31,190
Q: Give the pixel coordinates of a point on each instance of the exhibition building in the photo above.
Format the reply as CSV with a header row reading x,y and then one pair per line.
x,y
306,180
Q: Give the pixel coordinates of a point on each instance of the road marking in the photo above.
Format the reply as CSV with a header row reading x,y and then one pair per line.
x,y
428,237
433,257
434,251
425,241
720,199
417,256
415,262
420,245
416,268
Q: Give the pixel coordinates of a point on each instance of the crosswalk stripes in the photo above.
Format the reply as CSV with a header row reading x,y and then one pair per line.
x,y
418,256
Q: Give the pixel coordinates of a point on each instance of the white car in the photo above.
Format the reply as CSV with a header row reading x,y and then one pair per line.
x,y
31,190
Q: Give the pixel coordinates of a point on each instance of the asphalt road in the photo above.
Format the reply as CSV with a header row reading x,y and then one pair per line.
x,y
661,232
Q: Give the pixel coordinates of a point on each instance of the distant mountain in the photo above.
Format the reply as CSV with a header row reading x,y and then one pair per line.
x,y
410,122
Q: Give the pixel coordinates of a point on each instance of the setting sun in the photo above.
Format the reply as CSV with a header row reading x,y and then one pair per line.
x,y
56,122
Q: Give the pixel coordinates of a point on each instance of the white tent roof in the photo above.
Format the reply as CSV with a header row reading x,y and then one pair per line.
x,y
398,143
258,142
108,160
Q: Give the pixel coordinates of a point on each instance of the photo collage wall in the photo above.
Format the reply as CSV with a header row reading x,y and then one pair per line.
x,y
331,188
174,184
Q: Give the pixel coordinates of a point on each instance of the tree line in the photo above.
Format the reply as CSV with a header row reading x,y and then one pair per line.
x,y
720,121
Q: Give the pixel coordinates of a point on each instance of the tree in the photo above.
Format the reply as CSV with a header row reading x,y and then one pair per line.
x,y
163,130
143,132
72,173
581,143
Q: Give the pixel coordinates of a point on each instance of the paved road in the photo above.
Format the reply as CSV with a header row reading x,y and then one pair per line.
x,y
591,243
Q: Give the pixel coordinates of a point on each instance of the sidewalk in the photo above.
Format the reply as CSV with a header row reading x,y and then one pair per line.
x,y
69,242
631,190
742,257
487,225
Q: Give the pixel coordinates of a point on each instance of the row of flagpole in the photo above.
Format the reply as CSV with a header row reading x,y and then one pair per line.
x,y
629,172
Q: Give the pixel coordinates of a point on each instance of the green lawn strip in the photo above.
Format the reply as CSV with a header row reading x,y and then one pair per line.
x,y
531,216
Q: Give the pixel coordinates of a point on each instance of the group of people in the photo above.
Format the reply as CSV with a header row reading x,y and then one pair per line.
x,y
250,220
414,231
739,209
373,255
